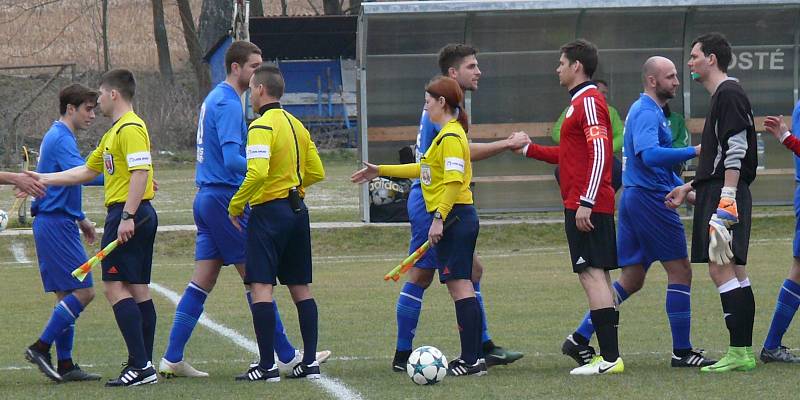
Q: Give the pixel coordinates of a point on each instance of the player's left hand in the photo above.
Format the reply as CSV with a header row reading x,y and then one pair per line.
x,y
726,209
583,219
155,185
88,229
235,221
775,126
125,231
435,233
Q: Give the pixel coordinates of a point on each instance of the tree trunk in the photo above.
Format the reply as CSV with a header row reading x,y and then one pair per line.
x,y
216,18
196,53
284,8
106,58
256,8
332,7
355,6
162,43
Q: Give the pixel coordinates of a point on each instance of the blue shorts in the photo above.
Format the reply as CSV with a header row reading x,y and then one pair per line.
x,y
796,244
217,238
421,221
59,249
131,262
647,230
278,245
457,247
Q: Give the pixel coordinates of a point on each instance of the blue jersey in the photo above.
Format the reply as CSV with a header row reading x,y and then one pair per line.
x,y
796,132
646,127
427,132
59,152
221,121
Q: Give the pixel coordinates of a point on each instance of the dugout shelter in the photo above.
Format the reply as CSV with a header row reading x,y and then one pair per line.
x,y
518,49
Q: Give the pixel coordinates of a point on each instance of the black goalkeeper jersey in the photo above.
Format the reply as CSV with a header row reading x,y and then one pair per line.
x,y
730,114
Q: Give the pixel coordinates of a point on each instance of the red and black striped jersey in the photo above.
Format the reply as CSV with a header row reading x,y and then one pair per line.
x,y
584,154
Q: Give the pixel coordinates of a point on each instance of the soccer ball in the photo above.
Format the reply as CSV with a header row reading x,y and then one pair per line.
x,y
426,366
3,220
383,191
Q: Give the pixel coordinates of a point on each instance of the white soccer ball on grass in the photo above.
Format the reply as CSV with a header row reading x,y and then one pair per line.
x,y
426,366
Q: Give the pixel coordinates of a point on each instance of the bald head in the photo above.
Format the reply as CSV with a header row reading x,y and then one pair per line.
x,y
660,78
654,66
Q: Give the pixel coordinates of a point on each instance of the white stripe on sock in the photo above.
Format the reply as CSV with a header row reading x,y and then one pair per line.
x,y
745,282
728,286
679,291
411,297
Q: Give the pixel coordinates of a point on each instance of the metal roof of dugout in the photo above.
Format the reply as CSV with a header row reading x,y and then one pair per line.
x,y
390,59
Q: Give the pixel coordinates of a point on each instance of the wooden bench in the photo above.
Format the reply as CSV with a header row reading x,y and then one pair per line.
x,y
534,129
408,133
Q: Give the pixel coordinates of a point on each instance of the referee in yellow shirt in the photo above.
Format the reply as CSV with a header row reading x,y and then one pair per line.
x,y
281,162
445,172
123,157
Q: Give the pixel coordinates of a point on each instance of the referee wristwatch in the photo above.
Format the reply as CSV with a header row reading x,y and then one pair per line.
x,y
126,216
437,215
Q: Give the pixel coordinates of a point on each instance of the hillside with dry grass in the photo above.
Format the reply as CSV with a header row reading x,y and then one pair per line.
x,y
67,31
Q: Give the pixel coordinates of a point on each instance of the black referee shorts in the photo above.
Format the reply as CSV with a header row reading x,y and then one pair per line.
x,y
278,244
131,262
706,202
594,249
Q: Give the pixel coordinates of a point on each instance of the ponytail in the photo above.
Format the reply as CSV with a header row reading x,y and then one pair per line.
x,y
463,118
444,86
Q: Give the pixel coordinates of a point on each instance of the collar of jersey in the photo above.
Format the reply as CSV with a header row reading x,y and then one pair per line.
x,y
577,90
267,107
62,126
649,102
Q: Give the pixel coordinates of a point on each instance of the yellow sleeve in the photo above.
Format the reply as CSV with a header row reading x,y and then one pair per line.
x,y
313,171
453,159
409,171
259,141
451,190
136,147
95,159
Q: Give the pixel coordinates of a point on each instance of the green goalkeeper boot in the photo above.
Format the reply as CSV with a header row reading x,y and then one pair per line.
x,y
737,359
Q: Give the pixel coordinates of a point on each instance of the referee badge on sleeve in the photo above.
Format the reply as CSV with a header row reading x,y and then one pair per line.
x,y
108,162
425,174
257,151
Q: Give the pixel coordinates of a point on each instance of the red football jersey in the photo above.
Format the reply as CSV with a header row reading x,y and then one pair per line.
x,y
584,154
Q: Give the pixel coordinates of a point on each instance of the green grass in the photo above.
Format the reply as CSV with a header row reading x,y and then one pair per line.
x,y
532,301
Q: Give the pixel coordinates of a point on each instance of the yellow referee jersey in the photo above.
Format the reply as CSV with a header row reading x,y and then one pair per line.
x,y
447,160
125,147
280,156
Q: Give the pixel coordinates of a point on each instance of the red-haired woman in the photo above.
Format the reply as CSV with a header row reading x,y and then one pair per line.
x,y
445,173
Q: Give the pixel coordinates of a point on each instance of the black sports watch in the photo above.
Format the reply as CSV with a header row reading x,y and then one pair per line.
x,y
126,216
437,215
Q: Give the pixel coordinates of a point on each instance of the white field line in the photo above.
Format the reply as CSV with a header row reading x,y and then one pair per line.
x,y
391,257
331,385
18,250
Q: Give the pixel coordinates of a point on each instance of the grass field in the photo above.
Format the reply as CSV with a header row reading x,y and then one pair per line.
x,y
532,301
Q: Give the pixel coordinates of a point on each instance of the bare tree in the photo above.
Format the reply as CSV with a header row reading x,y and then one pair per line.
x,y
355,6
332,7
162,43
256,8
106,58
195,52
